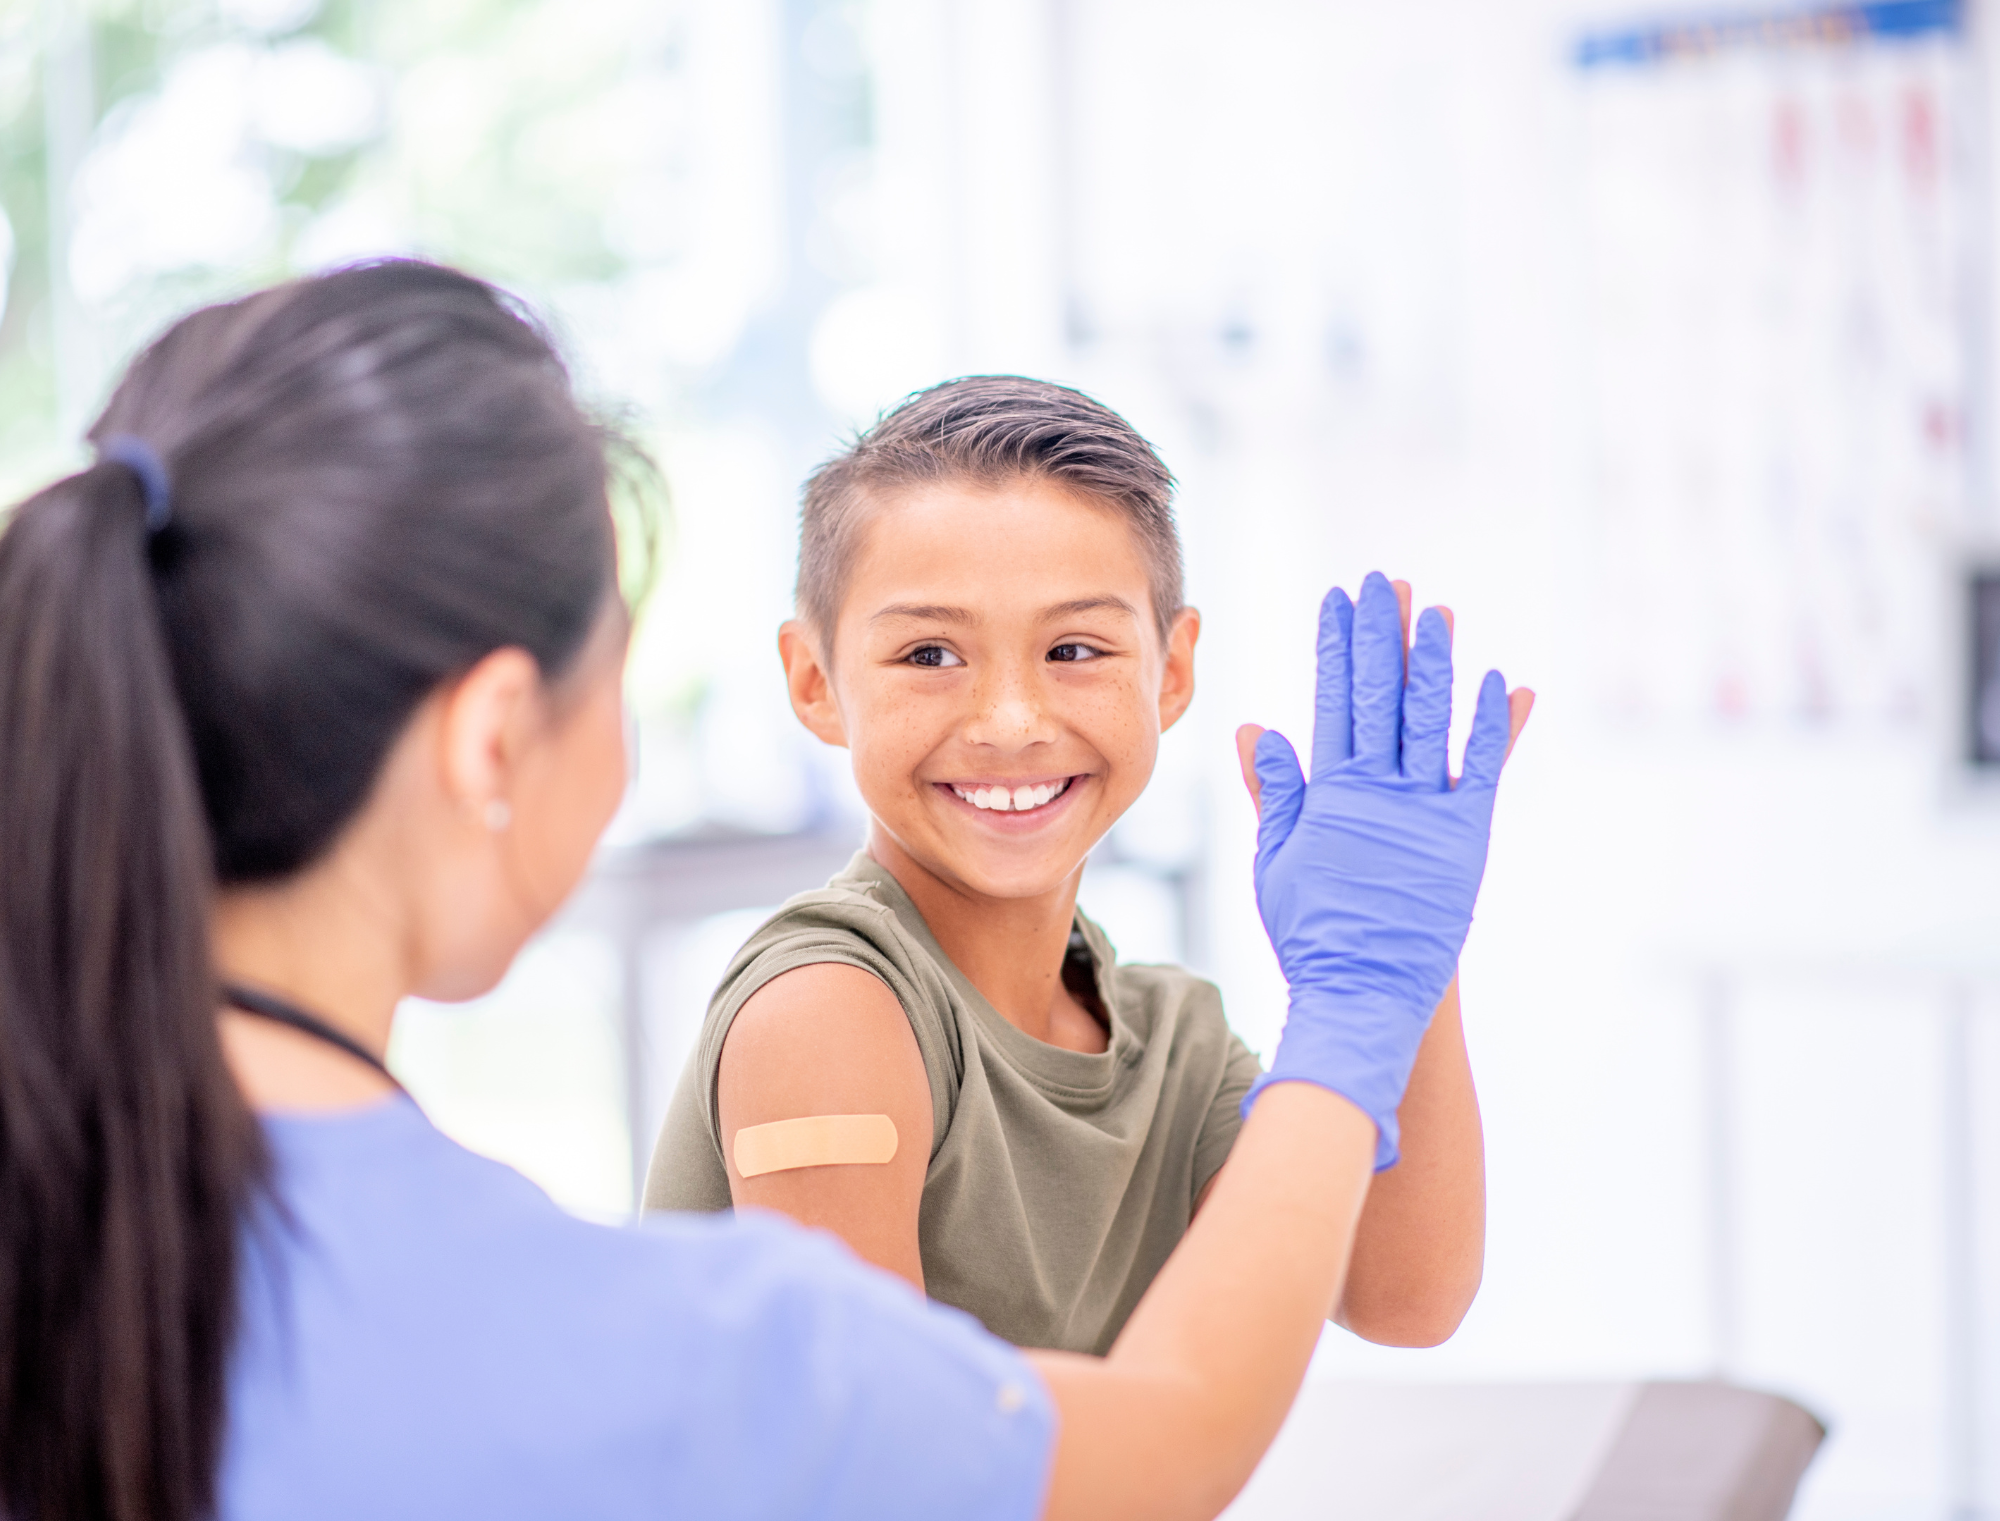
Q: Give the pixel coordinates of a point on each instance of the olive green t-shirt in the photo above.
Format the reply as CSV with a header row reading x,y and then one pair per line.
x,y
1059,1181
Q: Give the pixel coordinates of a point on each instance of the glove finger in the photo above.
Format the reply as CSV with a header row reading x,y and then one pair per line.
x,y
1282,792
1427,703
1333,720
1486,749
1378,677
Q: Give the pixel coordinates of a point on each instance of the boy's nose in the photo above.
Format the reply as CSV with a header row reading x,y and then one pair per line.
x,y
1009,713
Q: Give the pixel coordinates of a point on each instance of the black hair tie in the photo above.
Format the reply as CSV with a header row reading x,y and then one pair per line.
x,y
143,460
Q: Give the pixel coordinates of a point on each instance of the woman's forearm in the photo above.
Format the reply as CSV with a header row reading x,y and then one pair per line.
x,y
1172,1423
1421,1246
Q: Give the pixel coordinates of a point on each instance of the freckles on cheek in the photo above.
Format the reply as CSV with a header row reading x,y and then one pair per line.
x,y
1119,714
1130,729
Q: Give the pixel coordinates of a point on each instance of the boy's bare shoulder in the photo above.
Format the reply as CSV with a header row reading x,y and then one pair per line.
x,y
825,1038
832,986
819,1020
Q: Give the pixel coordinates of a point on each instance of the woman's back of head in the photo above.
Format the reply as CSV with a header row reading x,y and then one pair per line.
x,y
372,479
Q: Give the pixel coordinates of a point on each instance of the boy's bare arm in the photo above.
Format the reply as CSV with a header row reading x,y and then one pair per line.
x,y
1421,1247
832,1039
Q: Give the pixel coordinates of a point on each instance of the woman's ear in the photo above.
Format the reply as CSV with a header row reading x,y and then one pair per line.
x,y
810,683
1177,679
486,722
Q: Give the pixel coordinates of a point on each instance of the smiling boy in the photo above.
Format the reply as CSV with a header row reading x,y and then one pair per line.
x,y
990,621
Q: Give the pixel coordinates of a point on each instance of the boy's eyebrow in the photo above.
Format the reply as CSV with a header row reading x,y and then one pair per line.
x,y
930,612
1101,604
925,612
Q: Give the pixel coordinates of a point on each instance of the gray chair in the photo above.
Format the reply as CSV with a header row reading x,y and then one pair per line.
x,y
1533,1452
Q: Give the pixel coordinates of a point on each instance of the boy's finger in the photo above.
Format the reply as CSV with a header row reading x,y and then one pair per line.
x,y
1427,704
1492,732
1281,793
1520,703
1378,677
1333,722
1246,757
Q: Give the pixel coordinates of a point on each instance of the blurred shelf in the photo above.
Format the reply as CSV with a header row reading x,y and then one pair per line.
x,y
708,870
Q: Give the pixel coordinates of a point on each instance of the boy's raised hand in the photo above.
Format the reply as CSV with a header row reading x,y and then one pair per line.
x,y
1366,874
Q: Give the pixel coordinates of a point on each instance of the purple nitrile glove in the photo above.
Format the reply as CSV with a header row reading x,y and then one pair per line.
x,y
1366,874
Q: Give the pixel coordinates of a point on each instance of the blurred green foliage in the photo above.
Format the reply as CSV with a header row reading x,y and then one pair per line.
x,y
503,133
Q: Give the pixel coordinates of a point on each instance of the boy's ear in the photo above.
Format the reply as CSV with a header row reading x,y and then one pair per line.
x,y
1177,678
810,683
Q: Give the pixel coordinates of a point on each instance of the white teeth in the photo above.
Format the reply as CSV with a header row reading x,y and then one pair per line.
x,y
1018,800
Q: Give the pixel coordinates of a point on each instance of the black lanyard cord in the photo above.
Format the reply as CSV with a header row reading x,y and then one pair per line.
x,y
265,1006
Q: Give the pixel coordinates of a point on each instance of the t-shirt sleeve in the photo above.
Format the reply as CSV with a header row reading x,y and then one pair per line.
x,y
831,1390
1225,1113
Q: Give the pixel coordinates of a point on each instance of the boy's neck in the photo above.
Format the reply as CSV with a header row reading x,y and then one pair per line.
x,y
1011,949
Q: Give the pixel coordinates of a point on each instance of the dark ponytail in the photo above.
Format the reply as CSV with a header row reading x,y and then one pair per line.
x,y
126,1154
377,477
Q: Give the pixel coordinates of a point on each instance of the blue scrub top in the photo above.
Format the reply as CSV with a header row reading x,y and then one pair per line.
x,y
427,1335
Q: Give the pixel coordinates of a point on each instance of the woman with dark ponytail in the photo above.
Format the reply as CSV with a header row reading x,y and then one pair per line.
x,y
309,702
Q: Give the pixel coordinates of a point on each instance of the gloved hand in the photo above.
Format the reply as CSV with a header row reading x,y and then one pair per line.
x,y
1366,875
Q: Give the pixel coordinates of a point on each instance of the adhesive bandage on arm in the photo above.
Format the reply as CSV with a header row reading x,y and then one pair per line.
x,y
818,1140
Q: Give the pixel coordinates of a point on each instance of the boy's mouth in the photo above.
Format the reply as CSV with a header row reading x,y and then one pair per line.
x,y
996,797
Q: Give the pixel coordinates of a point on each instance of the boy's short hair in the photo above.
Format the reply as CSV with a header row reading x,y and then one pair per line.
x,y
987,429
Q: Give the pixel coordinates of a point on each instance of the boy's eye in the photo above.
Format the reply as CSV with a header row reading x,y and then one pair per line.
x,y
933,655
1074,652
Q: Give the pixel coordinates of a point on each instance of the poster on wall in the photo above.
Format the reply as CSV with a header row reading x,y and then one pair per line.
x,y
1776,230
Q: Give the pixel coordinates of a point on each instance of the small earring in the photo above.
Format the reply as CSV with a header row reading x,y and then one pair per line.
x,y
498,815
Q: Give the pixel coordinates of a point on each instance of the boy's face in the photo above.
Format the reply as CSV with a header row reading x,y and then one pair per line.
x,y
999,677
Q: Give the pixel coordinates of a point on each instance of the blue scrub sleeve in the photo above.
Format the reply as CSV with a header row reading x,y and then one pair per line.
x,y
871,1401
